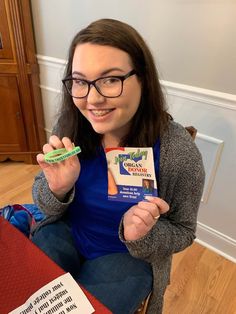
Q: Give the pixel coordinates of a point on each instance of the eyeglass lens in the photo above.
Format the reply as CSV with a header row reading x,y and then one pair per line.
x,y
108,87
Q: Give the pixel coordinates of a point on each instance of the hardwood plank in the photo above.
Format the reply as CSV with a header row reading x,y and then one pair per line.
x,y
16,182
228,298
182,282
200,284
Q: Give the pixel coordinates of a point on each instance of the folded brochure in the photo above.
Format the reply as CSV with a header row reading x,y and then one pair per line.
x,y
131,173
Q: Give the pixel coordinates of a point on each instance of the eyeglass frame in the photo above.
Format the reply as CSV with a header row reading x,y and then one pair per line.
x,y
122,78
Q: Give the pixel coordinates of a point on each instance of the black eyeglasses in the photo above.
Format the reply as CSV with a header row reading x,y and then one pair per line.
x,y
108,86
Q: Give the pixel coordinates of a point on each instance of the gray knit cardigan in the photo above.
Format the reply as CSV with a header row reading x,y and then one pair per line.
x,y
181,181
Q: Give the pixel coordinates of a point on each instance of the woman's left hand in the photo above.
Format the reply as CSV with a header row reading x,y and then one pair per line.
x,y
140,218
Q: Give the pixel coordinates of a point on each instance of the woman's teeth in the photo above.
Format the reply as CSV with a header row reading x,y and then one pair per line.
x,y
100,113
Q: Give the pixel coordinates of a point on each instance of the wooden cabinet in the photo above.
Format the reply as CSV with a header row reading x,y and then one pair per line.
x,y
21,114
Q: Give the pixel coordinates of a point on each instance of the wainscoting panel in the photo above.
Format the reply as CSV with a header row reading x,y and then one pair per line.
x,y
211,149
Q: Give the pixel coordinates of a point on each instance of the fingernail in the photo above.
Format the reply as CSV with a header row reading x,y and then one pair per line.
x,y
149,198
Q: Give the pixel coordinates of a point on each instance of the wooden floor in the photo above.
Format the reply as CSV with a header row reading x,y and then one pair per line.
x,y
201,280
15,182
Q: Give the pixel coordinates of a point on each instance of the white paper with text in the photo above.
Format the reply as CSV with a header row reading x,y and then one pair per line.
x,y
60,296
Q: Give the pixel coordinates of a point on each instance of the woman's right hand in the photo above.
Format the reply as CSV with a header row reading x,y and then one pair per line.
x,y
61,176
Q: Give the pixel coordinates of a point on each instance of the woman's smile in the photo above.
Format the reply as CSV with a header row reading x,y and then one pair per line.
x,y
100,112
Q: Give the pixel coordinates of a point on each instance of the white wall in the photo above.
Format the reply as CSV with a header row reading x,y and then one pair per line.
x,y
193,44
193,41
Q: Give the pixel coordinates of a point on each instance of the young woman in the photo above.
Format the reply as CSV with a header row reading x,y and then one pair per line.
x,y
112,97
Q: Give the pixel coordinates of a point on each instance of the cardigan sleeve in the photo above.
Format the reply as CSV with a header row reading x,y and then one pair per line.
x,y
182,188
45,199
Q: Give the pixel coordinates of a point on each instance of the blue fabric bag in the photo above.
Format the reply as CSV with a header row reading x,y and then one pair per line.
x,y
23,217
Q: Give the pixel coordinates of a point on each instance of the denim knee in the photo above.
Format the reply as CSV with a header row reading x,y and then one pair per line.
x,y
56,241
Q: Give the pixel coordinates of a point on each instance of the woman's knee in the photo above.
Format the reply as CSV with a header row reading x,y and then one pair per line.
x,y
120,281
56,241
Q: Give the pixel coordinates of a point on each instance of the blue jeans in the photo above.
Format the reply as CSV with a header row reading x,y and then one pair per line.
x,y
120,281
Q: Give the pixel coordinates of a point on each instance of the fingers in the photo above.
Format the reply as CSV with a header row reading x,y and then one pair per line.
x,y
56,143
141,218
144,216
47,148
53,144
138,220
149,210
140,223
41,161
67,143
160,203
40,158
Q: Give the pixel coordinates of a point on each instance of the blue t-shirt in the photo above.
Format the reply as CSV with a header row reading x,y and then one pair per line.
x,y
95,220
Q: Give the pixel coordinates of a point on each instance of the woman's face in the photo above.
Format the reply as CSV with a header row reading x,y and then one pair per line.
x,y
108,116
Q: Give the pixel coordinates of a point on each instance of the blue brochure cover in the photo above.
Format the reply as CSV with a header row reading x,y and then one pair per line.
x,y
131,174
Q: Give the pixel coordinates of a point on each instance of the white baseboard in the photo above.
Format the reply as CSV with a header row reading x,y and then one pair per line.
x,y
216,241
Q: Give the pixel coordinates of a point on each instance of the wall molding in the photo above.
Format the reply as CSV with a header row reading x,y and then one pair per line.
x,y
51,61
213,148
210,97
216,241
50,89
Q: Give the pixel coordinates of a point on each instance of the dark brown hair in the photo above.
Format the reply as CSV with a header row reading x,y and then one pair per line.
x,y
151,117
